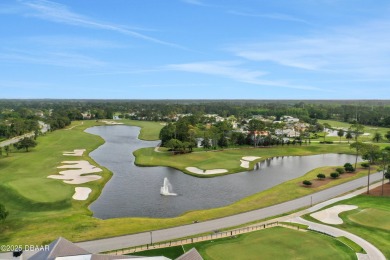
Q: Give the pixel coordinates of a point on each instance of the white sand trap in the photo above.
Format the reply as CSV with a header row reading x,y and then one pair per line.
x,y
76,176
205,172
111,122
81,193
250,158
331,215
76,152
244,164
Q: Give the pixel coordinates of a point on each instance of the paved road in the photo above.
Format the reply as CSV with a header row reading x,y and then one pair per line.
x,y
44,128
323,198
239,219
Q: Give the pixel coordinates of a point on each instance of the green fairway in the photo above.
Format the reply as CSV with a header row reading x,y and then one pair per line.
x,y
42,209
150,131
371,220
367,129
276,243
230,158
372,217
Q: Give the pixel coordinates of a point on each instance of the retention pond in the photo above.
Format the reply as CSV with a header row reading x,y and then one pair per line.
x,y
135,191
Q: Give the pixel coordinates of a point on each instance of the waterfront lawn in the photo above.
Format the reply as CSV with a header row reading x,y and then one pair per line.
x,y
230,158
150,130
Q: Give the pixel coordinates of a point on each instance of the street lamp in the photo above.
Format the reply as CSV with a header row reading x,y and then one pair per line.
x,y
151,238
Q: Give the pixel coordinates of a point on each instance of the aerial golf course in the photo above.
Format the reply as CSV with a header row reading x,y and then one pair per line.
x,y
42,209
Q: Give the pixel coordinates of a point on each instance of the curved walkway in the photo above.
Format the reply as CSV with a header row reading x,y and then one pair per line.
x,y
120,242
371,250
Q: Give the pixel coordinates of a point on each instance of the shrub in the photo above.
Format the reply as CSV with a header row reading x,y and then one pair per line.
x,y
306,182
334,175
326,142
348,167
340,170
365,164
321,176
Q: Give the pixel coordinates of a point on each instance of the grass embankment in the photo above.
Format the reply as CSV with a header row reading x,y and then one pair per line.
x,y
230,158
272,243
371,220
150,131
42,209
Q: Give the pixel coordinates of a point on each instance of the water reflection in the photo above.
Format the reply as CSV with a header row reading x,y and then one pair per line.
x,y
135,191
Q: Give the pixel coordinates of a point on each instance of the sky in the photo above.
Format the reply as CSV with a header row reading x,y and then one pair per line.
x,y
195,49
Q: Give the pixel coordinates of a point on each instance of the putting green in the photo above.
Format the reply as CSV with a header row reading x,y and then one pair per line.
x,y
277,243
42,189
372,217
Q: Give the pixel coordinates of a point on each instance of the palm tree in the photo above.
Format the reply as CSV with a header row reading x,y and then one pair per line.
x,y
340,133
377,137
358,146
356,128
385,164
371,153
348,136
326,126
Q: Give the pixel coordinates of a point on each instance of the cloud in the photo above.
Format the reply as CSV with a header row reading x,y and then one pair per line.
x,y
362,50
232,71
60,13
274,16
73,60
70,42
193,2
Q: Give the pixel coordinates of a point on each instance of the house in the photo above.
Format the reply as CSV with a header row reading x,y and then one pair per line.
x,y
289,119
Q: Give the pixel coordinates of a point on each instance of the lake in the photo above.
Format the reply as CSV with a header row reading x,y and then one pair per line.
x,y
135,191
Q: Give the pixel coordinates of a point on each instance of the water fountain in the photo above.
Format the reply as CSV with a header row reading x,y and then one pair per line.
x,y
166,189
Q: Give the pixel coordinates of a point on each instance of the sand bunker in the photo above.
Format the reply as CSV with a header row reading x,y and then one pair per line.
x,y
76,176
81,193
205,172
250,158
76,152
331,215
244,164
111,122
246,159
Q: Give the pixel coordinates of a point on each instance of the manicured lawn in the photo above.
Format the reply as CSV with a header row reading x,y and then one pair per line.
x,y
367,129
272,243
276,243
372,217
42,209
371,220
230,158
150,130
169,252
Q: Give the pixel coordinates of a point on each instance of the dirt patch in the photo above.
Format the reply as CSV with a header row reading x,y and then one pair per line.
x,y
320,182
378,191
